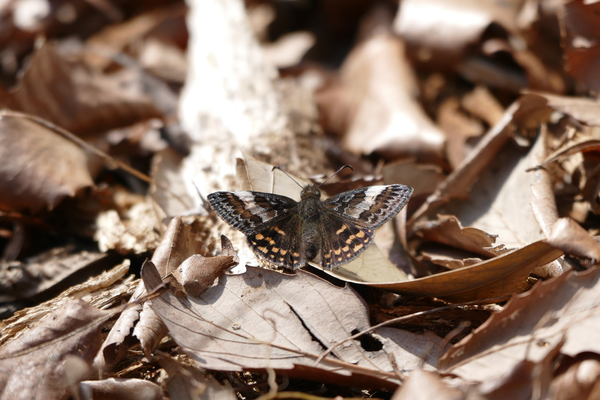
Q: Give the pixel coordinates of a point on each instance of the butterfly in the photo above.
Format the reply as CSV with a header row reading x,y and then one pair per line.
x,y
290,233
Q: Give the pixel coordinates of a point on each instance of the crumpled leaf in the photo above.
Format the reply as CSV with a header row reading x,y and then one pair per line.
x,y
32,365
448,230
39,167
500,276
384,117
529,327
95,102
265,319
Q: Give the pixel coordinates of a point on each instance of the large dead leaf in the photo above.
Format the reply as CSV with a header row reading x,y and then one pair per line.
x,y
383,115
39,167
265,319
31,366
494,206
501,276
73,96
531,325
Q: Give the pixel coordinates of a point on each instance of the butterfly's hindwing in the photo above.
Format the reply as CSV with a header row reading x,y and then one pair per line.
x,y
279,243
342,240
371,206
250,211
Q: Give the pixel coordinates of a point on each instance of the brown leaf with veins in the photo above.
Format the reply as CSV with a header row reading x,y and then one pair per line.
x,y
68,93
529,327
265,319
31,365
39,167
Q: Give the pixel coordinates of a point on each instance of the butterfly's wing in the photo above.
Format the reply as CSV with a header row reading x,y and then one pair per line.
x,y
343,240
269,221
369,207
279,243
250,212
350,219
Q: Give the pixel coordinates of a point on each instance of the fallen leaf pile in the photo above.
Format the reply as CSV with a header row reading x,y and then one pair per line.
x,y
118,119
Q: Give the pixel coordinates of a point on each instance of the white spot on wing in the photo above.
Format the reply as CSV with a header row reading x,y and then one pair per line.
x,y
250,204
370,194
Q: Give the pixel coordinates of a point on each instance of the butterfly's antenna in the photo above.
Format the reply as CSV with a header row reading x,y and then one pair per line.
x,y
289,176
338,171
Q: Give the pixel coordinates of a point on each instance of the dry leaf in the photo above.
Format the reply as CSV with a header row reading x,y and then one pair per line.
x,y
109,289
177,244
499,203
46,273
424,385
501,276
570,237
32,364
423,178
448,230
529,327
439,32
385,117
580,381
95,102
187,383
122,389
39,167
579,22
264,319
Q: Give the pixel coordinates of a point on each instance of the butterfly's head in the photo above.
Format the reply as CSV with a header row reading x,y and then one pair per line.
x,y
310,192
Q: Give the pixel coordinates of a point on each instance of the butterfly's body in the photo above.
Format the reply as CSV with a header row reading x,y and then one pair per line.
x,y
290,233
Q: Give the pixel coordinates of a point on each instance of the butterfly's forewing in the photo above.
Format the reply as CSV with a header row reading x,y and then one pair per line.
x,y
279,243
371,206
251,212
342,240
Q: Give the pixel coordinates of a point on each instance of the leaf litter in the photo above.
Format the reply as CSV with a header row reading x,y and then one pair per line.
x,y
478,113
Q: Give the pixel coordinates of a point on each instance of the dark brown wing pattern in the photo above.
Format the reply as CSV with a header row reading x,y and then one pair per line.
x,y
342,241
279,243
370,206
251,212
